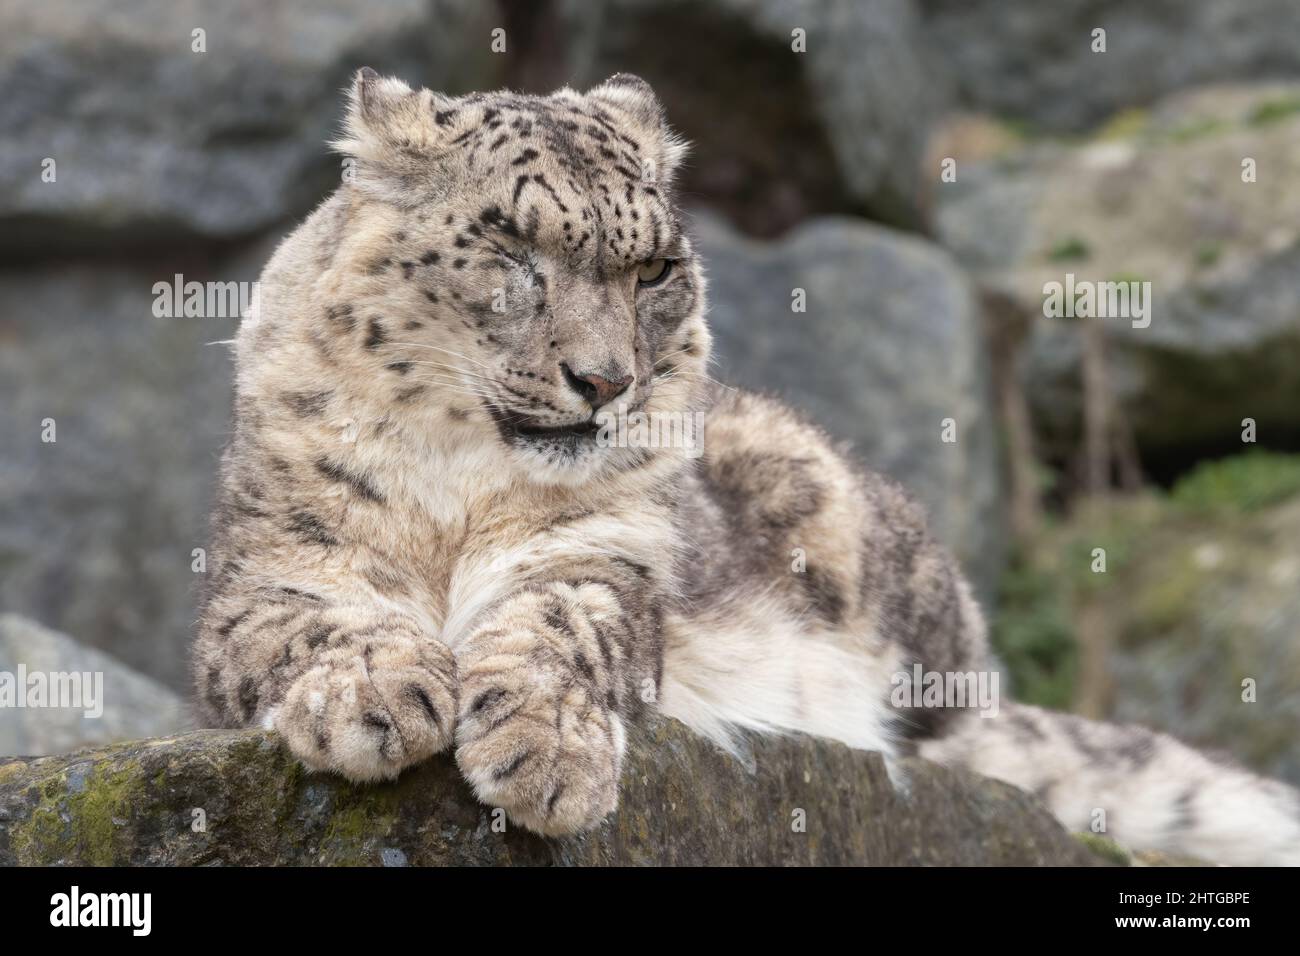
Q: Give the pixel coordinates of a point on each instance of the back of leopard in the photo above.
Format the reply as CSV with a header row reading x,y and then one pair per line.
x,y
426,538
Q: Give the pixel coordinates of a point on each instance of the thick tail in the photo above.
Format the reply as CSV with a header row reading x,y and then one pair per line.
x,y
1146,789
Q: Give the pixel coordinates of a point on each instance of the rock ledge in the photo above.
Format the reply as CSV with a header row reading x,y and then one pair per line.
x,y
238,798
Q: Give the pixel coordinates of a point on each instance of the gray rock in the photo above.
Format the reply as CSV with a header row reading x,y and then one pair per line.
x,y
153,140
1031,60
236,798
122,704
98,527
889,347
779,135
1159,198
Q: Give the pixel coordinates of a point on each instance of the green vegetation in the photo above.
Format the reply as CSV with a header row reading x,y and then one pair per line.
x,y
1106,848
1208,253
1033,635
1241,483
1197,129
1127,277
1069,249
80,823
1270,111
1125,124
1153,575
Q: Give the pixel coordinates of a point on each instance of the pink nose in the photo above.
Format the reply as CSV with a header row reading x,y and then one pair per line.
x,y
596,389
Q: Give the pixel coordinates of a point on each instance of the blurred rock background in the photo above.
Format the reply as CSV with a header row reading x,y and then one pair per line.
x,y
819,170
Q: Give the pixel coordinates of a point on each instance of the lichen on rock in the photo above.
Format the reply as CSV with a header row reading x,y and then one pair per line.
x,y
238,798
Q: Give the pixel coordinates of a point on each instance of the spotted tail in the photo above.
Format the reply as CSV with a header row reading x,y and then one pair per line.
x,y
1146,789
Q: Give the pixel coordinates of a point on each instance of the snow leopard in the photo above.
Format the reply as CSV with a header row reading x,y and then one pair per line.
x,y
431,536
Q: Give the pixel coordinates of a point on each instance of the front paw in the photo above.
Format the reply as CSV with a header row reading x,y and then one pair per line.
x,y
369,713
535,736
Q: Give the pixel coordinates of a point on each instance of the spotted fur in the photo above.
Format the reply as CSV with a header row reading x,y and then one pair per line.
x,y
421,545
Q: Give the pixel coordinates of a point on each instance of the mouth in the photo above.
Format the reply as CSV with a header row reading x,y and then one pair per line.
x,y
531,428
518,429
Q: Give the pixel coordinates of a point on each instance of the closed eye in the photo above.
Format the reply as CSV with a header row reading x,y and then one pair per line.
x,y
528,261
522,256
653,273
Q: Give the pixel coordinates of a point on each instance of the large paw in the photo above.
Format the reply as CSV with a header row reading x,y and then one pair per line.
x,y
369,712
535,737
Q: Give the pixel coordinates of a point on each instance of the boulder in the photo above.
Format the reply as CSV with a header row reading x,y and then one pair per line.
x,y
99,526
237,798
1034,62
154,139
779,135
888,347
121,704
1157,197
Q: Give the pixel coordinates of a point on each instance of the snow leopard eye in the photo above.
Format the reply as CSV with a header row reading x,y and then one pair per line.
x,y
653,272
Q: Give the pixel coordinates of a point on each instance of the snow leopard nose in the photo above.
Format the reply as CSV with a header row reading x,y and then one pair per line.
x,y
596,389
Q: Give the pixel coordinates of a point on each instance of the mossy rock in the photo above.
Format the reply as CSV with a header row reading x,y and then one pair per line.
x,y
1160,197
237,798
1197,604
1106,848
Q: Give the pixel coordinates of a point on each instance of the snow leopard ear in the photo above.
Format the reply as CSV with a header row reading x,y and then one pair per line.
x,y
390,129
633,96
637,100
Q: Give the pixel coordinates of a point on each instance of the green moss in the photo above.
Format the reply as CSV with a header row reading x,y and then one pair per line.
x,y
265,784
293,774
250,750
1032,634
1126,278
91,834
1106,848
1166,555
1208,253
1270,111
1164,603
1124,125
362,818
10,770
1071,248
1196,129
1020,127
1241,483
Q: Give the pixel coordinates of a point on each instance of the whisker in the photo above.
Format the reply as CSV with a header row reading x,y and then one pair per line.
x,y
453,377
453,368
457,387
681,373
668,355
437,348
